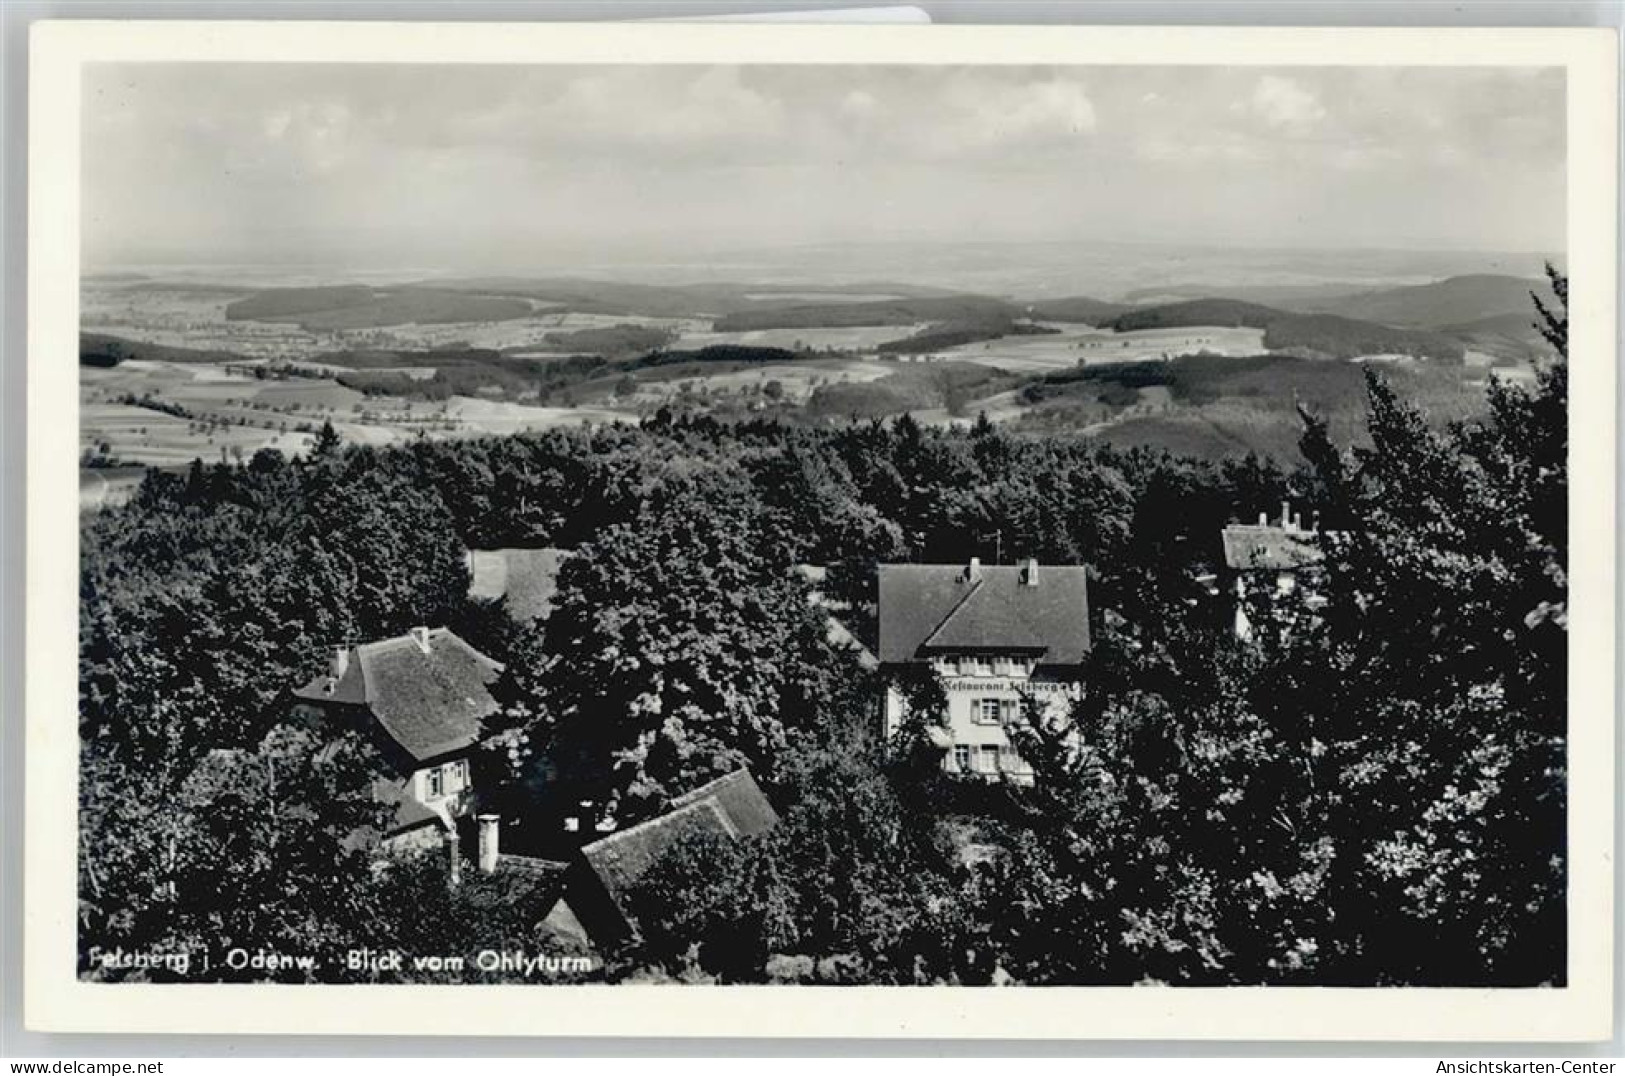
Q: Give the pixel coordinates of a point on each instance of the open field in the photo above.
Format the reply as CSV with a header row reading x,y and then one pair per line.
x,y
565,351
860,338
821,296
1074,343
158,414
797,381
139,435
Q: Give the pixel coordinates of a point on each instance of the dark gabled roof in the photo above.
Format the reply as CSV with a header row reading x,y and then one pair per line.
x,y
939,608
730,806
739,798
410,812
840,638
428,692
1250,546
524,580
541,868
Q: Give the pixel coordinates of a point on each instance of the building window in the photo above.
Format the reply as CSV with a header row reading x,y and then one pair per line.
x,y
436,781
459,773
962,757
993,711
974,664
987,759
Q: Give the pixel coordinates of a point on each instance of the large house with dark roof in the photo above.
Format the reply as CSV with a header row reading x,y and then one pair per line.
x,y
1283,559
994,636
421,696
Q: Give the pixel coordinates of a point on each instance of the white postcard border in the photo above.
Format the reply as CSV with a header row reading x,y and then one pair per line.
x,y
56,1000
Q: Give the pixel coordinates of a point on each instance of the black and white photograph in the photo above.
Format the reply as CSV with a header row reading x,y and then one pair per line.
x,y
842,524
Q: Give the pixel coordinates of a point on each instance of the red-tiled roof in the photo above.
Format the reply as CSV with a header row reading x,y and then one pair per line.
x,y
525,580
940,608
730,806
429,697
1250,546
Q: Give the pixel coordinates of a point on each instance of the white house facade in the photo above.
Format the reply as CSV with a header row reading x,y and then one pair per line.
x,y
996,638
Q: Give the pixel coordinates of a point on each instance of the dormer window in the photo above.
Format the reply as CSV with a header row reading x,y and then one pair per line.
x,y
1012,665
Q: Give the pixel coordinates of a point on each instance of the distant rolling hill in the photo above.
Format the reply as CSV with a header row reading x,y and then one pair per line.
x,y
1078,308
1283,296
1505,336
1194,312
1347,338
958,309
945,335
1315,335
100,349
1454,301
1216,407
354,306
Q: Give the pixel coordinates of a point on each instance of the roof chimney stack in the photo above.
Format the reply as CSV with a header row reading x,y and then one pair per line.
x,y
1286,514
1029,572
338,663
454,860
974,572
1263,519
490,842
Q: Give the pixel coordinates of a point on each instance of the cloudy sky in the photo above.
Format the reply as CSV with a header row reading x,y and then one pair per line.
x,y
473,167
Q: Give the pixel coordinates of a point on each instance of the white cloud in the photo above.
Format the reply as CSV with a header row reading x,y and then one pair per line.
x,y
660,108
1285,105
985,116
177,152
859,105
276,123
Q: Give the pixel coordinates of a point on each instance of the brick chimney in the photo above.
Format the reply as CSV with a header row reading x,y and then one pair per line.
x,y
1263,519
490,842
974,572
1029,572
1286,514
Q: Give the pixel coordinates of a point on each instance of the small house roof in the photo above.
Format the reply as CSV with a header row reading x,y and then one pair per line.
x,y
410,812
943,608
839,637
524,580
730,806
1249,546
428,690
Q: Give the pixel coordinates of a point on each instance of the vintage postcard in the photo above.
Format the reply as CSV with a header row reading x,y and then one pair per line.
x,y
821,531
